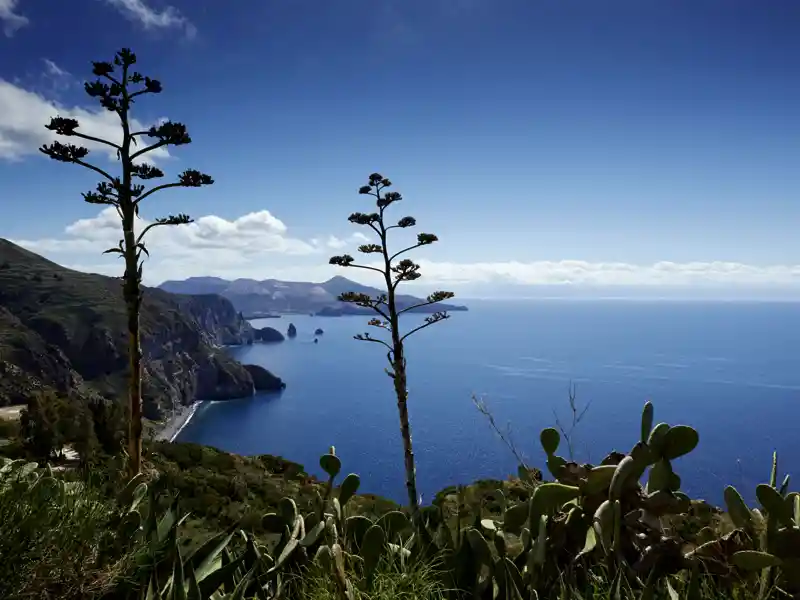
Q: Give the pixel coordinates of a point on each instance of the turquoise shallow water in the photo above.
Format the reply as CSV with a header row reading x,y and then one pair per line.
x,y
729,369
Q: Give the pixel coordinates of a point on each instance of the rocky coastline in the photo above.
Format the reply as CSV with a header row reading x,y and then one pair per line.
x,y
262,380
65,332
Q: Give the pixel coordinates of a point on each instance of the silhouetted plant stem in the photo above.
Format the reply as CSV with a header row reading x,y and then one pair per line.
x,y
506,436
125,196
576,418
389,312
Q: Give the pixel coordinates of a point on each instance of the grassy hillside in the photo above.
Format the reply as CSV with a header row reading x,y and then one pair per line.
x,y
220,489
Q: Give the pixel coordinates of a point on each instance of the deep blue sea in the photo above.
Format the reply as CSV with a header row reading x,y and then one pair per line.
x,y
731,370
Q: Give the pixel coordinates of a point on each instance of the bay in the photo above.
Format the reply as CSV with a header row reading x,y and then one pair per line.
x,y
731,370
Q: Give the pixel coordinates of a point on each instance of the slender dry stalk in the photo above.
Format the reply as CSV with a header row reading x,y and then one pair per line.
x,y
386,306
117,94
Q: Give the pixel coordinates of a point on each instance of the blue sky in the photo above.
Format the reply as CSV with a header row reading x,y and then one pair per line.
x,y
622,142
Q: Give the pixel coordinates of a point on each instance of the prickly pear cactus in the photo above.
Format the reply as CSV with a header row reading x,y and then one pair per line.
x,y
600,513
772,533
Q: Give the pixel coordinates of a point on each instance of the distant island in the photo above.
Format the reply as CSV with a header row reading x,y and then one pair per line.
x,y
260,315
271,297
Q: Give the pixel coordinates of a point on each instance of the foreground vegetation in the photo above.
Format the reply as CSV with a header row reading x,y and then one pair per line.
x,y
199,523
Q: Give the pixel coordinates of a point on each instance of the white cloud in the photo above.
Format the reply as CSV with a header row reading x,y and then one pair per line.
x,y
211,244
24,114
252,233
57,78
335,243
11,20
150,18
53,69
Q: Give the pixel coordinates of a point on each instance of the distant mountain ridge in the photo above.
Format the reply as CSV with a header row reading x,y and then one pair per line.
x,y
258,298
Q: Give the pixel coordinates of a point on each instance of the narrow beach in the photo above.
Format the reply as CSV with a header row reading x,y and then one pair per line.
x,y
176,423
11,412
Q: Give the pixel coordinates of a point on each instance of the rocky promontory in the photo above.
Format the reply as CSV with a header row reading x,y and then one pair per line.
x,y
223,378
264,380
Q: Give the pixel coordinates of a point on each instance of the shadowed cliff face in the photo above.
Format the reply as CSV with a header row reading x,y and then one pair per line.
x,y
217,317
62,329
264,380
28,363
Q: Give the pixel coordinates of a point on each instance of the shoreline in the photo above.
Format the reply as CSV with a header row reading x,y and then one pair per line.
x,y
11,413
175,424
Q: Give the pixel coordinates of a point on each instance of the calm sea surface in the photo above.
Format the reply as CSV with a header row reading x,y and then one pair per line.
x,y
731,370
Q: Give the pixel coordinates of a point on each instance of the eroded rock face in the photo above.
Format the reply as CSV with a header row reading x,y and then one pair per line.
x,y
217,316
167,383
28,363
219,377
184,360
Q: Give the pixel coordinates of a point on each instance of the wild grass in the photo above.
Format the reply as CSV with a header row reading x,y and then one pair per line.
x,y
53,540
392,581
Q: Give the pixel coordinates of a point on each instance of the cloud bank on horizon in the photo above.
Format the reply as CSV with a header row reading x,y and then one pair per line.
x,y
257,245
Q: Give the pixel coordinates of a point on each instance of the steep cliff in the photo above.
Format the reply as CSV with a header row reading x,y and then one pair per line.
x,y
63,329
217,316
28,363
